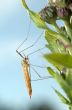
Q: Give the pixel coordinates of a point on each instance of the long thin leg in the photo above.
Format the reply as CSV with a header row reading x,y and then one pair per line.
x,y
46,77
36,72
36,51
26,37
20,54
33,43
40,79
38,66
24,41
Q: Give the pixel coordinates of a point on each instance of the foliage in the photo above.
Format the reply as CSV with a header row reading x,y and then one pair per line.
x,y
59,42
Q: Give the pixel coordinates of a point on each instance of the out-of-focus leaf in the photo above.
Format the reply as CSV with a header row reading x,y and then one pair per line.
x,y
67,88
52,39
35,17
71,20
60,43
52,48
69,76
63,99
70,107
37,20
68,29
60,59
57,36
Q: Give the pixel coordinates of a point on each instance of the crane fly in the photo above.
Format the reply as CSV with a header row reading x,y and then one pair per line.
x,y
26,65
26,68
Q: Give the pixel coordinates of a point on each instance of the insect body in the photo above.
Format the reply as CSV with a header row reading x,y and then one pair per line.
x,y
26,67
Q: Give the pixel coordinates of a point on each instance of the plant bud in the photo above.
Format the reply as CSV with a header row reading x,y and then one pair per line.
x,y
63,13
48,14
59,3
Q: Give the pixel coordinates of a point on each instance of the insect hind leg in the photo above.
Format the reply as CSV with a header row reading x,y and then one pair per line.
x,y
40,77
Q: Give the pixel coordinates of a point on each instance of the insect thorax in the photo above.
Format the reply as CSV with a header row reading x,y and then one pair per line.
x,y
25,61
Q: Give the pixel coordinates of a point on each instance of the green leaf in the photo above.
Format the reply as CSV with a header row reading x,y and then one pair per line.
x,y
60,59
35,17
37,20
68,29
52,39
67,88
24,4
63,99
58,42
56,36
55,64
69,76
52,47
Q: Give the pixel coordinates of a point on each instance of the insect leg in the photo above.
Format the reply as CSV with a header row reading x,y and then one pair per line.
x,y
46,77
24,41
38,66
20,53
33,43
36,51
26,37
40,79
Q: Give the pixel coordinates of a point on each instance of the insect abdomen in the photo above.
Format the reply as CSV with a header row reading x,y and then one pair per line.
x,y
27,78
